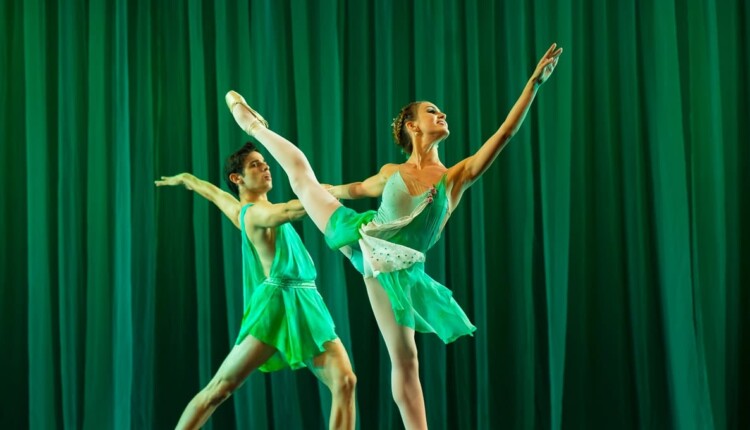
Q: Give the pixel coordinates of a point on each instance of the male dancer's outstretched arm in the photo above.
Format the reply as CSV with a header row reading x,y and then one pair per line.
x,y
370,187
264,214
228,204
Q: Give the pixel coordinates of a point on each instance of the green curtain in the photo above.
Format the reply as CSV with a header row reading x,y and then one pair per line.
x,y
603,257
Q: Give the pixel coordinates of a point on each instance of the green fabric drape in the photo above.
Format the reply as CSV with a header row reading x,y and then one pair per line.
x,y
603,257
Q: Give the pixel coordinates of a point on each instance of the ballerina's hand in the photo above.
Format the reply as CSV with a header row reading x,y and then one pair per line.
x,y
547,64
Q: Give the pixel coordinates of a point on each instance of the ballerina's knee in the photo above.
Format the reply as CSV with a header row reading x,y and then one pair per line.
x,y
301,175
405,378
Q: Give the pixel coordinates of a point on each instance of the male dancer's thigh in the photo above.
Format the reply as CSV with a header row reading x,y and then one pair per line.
x,y
250,354
398,339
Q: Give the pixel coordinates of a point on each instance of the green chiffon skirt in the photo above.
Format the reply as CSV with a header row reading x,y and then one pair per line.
x,y
417,300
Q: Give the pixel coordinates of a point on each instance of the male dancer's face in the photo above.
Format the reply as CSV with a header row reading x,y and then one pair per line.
x,y
256,176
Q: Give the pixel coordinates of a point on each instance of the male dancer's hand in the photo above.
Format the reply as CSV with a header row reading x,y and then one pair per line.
x,y
222,199
181,179
332,190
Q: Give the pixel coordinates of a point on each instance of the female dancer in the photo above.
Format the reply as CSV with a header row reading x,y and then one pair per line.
x,y
388,246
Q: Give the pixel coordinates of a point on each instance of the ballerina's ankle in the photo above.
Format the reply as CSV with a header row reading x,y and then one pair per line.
x,y
253,127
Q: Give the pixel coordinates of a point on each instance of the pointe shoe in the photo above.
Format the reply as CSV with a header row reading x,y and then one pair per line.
x,y
233,98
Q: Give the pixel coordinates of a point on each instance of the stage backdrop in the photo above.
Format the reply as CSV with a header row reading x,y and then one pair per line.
x,y
603,257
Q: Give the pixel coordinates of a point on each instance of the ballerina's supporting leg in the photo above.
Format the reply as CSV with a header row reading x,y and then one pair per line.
x,y
402,349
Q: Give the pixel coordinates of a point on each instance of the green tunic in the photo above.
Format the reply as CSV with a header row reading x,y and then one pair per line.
x,y
285,309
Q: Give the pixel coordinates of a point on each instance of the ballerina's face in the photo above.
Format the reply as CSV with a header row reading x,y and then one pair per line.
x,y
431,121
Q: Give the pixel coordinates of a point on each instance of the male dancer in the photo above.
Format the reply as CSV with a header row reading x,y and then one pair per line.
x,y
285,322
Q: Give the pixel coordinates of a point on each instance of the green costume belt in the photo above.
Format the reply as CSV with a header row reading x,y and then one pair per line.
x,y
289,283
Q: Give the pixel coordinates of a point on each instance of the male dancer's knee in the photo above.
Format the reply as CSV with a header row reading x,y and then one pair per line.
x,y
344,385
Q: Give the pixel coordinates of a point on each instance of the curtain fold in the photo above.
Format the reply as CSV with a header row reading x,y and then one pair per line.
x,y
602,256
41,236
